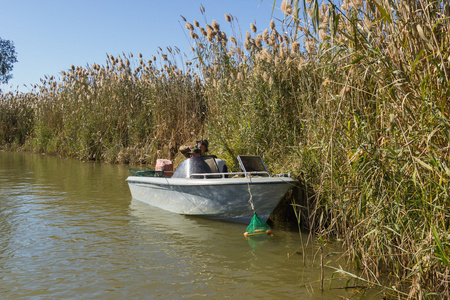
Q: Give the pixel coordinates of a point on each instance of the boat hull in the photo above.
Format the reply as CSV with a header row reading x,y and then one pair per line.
x,y
226,198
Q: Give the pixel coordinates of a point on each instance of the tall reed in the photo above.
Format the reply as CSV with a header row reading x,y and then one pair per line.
x,y
16,118
383,177
118,112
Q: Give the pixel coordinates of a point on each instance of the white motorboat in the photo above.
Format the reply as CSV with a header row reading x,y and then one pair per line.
x,y
201,187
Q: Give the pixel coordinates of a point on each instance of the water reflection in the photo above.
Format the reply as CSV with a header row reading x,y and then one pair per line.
x,y
258,240
215,251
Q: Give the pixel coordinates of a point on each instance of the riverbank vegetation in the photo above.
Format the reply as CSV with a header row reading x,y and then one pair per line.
x,y
353,99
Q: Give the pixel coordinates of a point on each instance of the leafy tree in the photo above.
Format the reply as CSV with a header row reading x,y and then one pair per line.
x,y
7,59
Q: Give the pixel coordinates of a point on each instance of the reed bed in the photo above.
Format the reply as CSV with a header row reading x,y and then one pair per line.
x,y
118,112
351,98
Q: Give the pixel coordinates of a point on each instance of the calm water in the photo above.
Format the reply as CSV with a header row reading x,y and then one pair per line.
x,y
70,230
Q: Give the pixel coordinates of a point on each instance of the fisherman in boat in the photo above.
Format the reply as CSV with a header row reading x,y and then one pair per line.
x,y
186,150
200,148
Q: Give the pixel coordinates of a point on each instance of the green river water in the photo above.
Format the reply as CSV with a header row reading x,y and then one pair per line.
x,y
70,230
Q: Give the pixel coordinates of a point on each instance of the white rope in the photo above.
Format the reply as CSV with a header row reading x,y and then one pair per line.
x,y
251,197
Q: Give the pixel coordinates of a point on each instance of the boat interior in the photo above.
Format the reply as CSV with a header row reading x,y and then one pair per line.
x,y
207,167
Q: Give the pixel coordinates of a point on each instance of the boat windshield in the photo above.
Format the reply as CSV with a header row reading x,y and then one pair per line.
x,y
251,163
197,165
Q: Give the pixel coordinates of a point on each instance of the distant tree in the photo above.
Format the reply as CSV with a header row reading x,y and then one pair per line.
x,y
7,59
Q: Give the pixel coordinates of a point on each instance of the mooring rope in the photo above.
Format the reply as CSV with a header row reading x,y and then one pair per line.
x,y
251,196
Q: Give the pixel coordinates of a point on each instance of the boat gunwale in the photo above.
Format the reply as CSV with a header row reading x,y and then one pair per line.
x,y
167,181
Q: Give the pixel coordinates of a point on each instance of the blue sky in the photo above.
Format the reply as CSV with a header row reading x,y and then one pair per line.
x,y
51,35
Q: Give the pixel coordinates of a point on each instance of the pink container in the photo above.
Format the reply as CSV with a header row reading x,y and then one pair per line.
x,y
165,164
